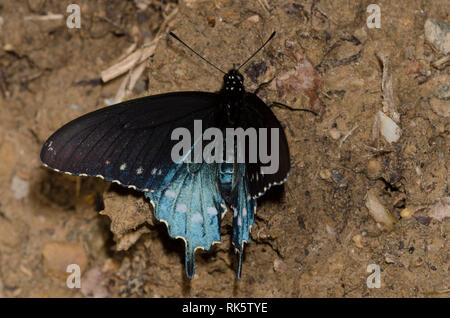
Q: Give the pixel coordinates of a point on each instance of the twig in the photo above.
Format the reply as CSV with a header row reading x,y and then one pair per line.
x,y
4,84
377,150
114,24
168,21
126,64
127,52
136,74
139,55
265,5
129,81
386,86
347,135
437,292
122,88
49,16
439,62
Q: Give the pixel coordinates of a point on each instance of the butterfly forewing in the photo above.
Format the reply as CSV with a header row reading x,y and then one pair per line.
x,y
130,142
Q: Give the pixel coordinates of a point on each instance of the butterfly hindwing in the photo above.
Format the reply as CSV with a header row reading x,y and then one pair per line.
x,y
258,115
244,208
243,183
191,206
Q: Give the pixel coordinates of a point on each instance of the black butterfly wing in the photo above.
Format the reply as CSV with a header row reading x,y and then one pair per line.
x,y
257,114
243,207
250,180
129,143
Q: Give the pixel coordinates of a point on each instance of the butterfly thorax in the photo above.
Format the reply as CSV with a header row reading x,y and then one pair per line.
x,y
233,92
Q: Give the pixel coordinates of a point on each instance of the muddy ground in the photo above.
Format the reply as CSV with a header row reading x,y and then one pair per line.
x,y
314,237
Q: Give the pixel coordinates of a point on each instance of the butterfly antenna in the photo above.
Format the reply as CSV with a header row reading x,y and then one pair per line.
x,y
268,40
181,41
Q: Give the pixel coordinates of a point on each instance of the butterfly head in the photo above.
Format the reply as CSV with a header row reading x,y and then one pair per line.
x,y
233,82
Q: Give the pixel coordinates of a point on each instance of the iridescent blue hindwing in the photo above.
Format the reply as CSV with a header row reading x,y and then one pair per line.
x,y
191,207
233,180
244,209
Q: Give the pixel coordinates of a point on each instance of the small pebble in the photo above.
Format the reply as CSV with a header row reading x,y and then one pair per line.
x,y
357,239
438,33
389,259
406,213
388,128
374,169
279,265
417,261
377,210
20,187
58,255
337,176
142,4
441,210
410,149
109,101
443,92
334,133
180,72
289,44
330,230
325,174
254,18
8,47
75,107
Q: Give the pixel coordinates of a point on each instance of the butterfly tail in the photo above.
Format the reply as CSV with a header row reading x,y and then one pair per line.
x,y
244,208
239,269
189,261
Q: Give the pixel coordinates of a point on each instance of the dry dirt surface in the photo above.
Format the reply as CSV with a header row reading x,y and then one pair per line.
x,y
369,179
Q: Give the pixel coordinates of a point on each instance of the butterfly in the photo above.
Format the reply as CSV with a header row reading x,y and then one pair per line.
x,y
132,144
